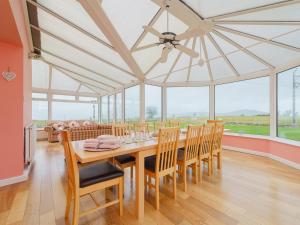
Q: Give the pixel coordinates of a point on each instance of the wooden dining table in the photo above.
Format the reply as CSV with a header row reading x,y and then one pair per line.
x,y
140,150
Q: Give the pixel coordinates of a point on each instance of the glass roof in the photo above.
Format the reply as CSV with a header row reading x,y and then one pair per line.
x,y
235,39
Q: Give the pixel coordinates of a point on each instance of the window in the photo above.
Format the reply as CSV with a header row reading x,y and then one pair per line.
x,y
40,113
74,111
88,99
189,105
244,106
64,97
289,104
39,95
119,107
132,103
111,100
104,109
152,103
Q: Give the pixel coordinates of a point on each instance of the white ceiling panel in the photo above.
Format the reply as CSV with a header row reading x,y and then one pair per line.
x,y
83,59
276,55
199,73
209,8
75,69
292,39
265,31
75,37
62,82
244,63
178,76
220,69
84,89
72,11
129,17
40,74
285,13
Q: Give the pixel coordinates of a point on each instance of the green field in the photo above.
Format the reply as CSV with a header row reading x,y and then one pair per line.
x,y
256,125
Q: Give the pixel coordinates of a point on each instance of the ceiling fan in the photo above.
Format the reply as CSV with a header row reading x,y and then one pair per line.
x,y
171,40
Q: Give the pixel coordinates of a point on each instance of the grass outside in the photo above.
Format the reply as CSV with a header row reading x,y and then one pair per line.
x,y
256,125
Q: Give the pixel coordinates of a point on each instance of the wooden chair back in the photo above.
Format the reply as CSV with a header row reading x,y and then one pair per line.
x,y
120,130
215,121
158,125
72,167
141,127
166,158
173,123
192,143
206,139
218,136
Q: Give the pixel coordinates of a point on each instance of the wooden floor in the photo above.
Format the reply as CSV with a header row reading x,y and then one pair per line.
x,y
250,190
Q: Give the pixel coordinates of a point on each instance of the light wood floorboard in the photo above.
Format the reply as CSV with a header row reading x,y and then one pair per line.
x,y
250,190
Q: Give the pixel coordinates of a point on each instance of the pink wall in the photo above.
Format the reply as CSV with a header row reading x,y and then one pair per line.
x,y
15,96
276,148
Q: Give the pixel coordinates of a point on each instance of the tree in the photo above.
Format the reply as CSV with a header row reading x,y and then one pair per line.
x,y
151,111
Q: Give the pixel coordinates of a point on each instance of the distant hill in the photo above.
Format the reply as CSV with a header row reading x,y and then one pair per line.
x,y
244,112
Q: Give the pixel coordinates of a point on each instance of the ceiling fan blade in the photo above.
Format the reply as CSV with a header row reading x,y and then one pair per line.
x,y
164,54
152,31
187,51
145,47
188,34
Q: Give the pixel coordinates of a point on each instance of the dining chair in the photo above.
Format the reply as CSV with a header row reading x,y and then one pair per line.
x,y
189,155
141,127
88,179
173,123
215,121
205,148
216,149
124,161
164,162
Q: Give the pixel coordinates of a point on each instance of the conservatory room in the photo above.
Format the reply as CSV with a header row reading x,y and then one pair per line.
x,y
150,112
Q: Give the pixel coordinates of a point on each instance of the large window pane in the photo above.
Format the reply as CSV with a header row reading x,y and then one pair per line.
x,y
119,107
40,113
152,103
289,104
74,111
190,105
104,109
111,100
244,106
132,103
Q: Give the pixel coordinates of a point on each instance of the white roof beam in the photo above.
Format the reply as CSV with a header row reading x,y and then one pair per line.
x,y
259,22
255,9
45,9
191,60
206,58
96,12
175,62
257,38
81,82
151,67
80,66
225,38
141,37
223,54
79,48
78,74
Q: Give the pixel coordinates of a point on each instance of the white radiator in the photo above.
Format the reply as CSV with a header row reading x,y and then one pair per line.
x,y
29,143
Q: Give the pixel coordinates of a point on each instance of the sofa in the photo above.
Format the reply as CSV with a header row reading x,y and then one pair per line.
x,y
81,131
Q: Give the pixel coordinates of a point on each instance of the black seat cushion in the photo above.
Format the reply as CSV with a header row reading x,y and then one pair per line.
x,y
96,173
180,154
122,159
150,163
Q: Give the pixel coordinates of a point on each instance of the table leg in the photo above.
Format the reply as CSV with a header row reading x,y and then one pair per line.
x,y
140,197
